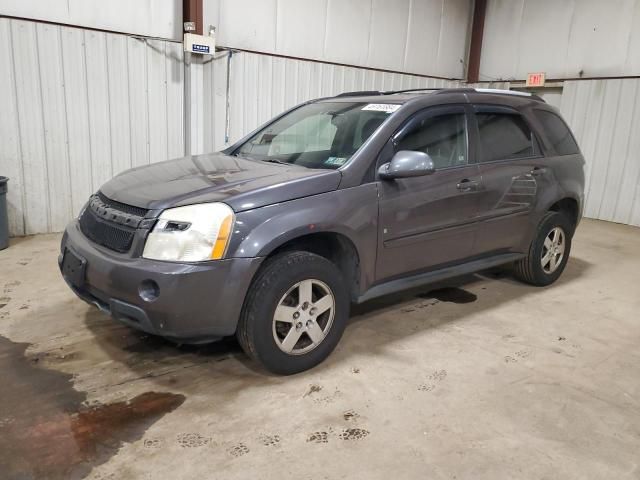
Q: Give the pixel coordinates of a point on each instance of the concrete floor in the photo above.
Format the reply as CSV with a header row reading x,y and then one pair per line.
x,y
490,379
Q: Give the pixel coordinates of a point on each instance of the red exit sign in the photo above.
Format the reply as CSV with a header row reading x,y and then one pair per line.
x,y
535,79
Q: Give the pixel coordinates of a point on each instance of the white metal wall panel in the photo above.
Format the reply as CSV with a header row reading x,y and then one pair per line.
x,y
301,38
263,86
10,155
605,117
138,107
98,104
427,37
569,39
348,29
30,120
175,99
55,129
157,18
214,102
120,125
78,107
76,112
385,47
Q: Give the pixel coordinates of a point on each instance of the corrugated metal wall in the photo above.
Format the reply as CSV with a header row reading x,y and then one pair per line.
x,y
80,106
427,37
77,108
150,18
208,111
605,117
565,39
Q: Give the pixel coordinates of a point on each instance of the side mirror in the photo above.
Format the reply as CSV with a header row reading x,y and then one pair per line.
x,y
407,163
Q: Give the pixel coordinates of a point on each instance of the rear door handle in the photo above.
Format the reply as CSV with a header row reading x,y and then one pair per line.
x,y
466,185
538,171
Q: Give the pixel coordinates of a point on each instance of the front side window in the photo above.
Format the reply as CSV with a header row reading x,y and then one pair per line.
x,y
504,136
442,137
557,132
318,135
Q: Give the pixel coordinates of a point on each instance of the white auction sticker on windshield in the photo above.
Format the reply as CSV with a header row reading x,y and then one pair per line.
x,y
382,107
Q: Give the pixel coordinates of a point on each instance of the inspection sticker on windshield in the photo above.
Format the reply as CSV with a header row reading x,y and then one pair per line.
x,y
382,107
335,160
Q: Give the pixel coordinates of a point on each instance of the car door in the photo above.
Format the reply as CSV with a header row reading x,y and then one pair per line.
x,y
513,171
428,221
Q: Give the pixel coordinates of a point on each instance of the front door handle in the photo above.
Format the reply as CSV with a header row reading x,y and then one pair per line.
x,y
466,185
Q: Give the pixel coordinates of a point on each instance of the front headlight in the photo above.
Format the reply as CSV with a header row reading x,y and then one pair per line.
x,y
194,233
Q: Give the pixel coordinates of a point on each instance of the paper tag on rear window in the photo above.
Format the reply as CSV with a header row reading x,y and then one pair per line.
x,y
382,107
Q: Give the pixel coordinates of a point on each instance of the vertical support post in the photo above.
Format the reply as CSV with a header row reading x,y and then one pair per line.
x,y
187,104
191,12
475,47
227,107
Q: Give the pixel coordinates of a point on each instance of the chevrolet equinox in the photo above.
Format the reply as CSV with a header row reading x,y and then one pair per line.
x,y
334,202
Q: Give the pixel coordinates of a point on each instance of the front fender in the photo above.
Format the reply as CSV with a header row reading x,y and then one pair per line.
x,y
352,212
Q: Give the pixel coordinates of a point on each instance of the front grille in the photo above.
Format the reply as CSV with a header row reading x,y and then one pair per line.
x,y
111,224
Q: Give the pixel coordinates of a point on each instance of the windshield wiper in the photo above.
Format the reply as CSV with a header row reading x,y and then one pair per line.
x,y
274,160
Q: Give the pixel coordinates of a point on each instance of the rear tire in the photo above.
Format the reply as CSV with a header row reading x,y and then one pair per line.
x,y
548,253
294,313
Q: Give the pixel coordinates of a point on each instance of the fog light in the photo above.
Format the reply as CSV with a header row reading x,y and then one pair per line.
x,y
149,290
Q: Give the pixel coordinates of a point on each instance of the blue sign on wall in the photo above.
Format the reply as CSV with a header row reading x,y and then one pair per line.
x,y
200,48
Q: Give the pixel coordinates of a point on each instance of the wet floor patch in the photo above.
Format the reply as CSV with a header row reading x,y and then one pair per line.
x,y
48,431
451,294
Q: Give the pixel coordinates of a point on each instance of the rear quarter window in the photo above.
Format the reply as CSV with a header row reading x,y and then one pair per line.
x,y
557,132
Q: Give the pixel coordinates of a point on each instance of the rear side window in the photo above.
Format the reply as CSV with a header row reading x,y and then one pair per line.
x,y
504,136
557,132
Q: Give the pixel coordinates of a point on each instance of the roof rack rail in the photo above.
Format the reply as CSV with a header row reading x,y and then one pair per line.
x,y
441,90
362,93
436,90
408,90
516,93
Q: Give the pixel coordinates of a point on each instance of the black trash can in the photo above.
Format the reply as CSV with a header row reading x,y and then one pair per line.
x,y
4,220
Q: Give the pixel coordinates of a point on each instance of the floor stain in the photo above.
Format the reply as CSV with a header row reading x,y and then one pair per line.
x,y
4,301
48,431
350,415
269,440
353,434
192,440
432,380
8,287
312,389
153,443
318,437
238,450
451,294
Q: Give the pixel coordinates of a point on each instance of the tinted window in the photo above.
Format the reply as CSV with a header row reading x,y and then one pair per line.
x,y
557,132
443,137
504,136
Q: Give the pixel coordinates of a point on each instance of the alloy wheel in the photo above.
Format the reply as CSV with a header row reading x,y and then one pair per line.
x,y
303,317
553,250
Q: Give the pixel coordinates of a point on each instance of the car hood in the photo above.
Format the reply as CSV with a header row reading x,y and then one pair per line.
x,y
242,184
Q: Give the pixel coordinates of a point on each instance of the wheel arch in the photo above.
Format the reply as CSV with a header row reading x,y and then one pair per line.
x,y
334,246
568,206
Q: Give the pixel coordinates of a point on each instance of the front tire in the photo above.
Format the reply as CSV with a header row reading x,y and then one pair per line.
x,y
548,253
294,313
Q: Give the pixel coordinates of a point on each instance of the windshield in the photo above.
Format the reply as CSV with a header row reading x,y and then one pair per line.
x,y
318,135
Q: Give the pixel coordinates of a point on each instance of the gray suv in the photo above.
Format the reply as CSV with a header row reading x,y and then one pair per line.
x,y
334,202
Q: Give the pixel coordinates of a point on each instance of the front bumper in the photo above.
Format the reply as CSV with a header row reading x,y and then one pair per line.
x,y
197,302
